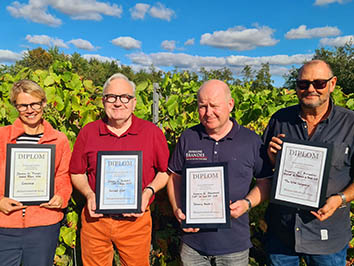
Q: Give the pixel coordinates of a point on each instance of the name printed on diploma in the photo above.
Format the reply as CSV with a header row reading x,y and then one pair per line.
x,y
206,195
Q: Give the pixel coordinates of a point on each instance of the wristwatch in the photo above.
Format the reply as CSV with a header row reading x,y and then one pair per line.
x,y
249,204
344,200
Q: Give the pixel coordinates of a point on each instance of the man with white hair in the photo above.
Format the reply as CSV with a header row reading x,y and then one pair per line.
x,y
119,130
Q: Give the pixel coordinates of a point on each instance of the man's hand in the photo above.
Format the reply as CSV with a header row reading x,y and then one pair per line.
x,y
274,146
91,205
8,205
55,203
145,198
332,204
238,208
180,216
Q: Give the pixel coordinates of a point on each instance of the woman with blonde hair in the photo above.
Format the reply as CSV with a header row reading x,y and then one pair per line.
x,y
29,234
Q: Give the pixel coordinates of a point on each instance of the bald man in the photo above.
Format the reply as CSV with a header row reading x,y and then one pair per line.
x,y
219,138
320,237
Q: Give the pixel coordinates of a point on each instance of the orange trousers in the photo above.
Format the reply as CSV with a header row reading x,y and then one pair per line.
x,y
131,236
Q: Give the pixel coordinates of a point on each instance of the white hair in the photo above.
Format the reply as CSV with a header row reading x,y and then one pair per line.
x,y
118,76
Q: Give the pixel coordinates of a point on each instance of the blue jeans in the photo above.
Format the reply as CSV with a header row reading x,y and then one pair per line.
x,y
33,246
191,257
281,255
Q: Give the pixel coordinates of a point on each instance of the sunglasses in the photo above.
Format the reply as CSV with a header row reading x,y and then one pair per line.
x,y
318,84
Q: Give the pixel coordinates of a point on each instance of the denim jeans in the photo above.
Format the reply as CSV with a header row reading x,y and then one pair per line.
x,y
191,257
33,246
281,255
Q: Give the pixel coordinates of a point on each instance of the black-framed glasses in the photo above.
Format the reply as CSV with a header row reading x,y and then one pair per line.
x,y
318,84
34,106
112,98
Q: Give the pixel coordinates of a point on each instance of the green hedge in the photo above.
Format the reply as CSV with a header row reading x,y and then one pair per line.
x,y
73,102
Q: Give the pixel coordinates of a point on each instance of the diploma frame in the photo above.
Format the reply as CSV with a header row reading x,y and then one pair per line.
x,y
30,165
303,185
129,194
220,187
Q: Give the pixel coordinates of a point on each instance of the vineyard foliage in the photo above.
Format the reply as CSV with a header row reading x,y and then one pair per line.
x,y
73,101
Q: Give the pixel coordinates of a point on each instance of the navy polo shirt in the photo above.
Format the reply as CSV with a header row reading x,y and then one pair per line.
x,y
246,157
300,229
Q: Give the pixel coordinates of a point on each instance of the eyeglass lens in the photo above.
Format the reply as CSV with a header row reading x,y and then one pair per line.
x,y
34,106
112,98
318,84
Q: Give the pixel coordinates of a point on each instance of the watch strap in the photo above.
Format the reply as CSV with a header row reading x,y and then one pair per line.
x,y
249,204
344,200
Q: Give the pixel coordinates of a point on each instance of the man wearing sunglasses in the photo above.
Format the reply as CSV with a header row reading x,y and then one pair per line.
x,y
119,130
319,237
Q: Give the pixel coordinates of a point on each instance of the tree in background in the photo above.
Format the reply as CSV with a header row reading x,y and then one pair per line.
x,y
248,74
341,60
223,74
262,80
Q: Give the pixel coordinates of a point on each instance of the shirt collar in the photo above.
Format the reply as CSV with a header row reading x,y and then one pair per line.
x,y
132,130
234,130
329,117
17,130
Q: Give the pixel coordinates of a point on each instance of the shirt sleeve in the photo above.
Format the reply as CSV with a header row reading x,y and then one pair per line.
x,y
78,162
268,132
177,159
263,167
63,186
161,151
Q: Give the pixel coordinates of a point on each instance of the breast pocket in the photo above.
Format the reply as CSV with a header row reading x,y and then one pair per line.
x,y
340,155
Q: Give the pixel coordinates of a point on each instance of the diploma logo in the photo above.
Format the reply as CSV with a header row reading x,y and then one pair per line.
x,y
304,154
196,155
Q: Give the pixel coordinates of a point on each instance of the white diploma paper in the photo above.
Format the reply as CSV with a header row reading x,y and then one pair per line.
x,y
30,174
300,174
205,201
119,182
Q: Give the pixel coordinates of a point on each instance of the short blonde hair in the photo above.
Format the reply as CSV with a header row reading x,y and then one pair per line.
x,y
27,86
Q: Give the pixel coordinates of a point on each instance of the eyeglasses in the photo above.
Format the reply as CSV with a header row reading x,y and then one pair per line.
x,y
318,84
112,98
23,107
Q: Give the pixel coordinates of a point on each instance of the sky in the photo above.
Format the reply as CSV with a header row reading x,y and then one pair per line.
x,y
183,34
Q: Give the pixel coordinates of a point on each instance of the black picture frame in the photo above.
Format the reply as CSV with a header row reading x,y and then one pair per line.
x,y
125,184
218,171
30,170
297,182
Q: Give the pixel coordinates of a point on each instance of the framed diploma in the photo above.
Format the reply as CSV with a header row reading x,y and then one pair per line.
x,y
205,196
118,182
301,174
30,173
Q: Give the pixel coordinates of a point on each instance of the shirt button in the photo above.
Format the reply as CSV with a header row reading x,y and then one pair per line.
x,y
297,229
305,126
215,152
216,143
